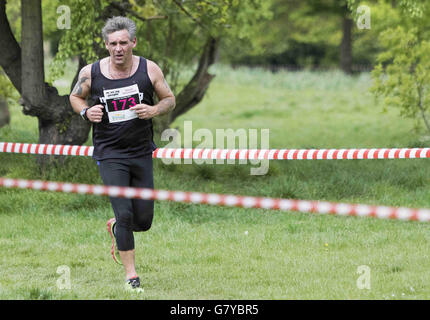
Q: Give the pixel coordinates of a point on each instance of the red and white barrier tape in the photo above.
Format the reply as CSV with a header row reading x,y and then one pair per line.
x,y
292,154
231,154
46,149
321,207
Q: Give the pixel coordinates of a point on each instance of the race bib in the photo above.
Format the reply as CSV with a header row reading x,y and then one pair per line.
x,y
118,102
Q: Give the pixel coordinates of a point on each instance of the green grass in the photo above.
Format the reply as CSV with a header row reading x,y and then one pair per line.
x,y
206,252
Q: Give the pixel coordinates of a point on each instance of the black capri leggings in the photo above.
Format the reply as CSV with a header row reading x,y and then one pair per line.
x,y
132,215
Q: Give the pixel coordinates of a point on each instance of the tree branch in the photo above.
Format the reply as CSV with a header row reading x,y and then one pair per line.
x,y
124,9
420,106
10,59
188,14
194,91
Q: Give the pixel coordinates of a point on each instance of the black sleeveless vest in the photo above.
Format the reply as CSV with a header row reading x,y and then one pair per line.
x,y
125,138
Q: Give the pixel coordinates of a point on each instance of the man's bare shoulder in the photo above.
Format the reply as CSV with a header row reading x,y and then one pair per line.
x,y
83,84
86,71
154,71
153,67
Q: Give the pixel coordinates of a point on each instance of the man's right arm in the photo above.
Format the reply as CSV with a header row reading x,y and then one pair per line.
x,y
79,94
81,90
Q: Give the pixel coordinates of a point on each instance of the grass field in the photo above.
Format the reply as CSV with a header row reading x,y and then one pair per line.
x,y
205,252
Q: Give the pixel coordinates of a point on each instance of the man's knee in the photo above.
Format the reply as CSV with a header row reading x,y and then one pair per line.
x,y
143,220
144,212
144,227
143,223
125,220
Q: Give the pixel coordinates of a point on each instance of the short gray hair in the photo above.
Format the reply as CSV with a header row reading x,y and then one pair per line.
x,y
119,23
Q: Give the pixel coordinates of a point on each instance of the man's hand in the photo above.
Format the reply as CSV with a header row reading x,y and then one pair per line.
x,y
95,113
145,111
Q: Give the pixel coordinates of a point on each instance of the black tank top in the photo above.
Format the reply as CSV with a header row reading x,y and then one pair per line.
x,y
121,134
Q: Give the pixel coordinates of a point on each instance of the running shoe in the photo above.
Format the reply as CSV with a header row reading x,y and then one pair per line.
x,y
133,285
114,252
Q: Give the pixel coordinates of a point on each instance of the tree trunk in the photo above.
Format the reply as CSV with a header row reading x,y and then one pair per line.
x,y
346,45
196,88
32,65
58,123
10,59
4,112
420,92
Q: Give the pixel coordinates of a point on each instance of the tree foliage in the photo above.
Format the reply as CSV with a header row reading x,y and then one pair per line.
x,y
402,76
81,38
6,88
179,35
172,33
313,33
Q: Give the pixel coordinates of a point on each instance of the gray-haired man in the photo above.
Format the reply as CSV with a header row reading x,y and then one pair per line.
x,y
121,87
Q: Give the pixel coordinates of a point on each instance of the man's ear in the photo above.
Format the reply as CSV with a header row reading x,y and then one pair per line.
x,y
134,42
106,45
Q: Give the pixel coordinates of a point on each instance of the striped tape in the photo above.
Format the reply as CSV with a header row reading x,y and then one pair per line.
x,y
46,149
231,154
292,154
320,207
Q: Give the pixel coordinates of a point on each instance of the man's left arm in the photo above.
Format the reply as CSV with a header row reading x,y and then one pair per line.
x,y
165,95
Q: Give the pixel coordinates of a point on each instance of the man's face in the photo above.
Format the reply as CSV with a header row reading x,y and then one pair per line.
x,y
120,46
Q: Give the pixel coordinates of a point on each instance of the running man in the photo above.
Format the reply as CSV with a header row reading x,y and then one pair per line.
x,y
120,89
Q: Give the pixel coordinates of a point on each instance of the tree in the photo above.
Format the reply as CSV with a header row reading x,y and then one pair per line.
x,y
4,112
346,43
38,98
401,76
340,10
178,35
57,122
6,92
307,33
